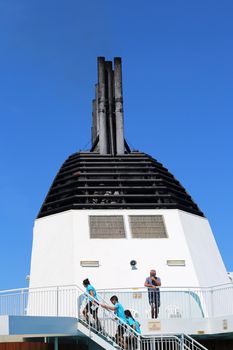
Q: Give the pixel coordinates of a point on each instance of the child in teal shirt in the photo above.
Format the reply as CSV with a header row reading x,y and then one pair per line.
x,y
132,340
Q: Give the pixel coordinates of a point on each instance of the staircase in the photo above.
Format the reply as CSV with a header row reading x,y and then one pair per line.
x,y
102,340
104,335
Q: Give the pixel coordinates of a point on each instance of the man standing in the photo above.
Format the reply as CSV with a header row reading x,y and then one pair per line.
x,y
153,283
92,305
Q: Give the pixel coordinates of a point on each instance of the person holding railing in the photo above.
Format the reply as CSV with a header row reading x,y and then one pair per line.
x,y
153,283
132,341
92,304
119,311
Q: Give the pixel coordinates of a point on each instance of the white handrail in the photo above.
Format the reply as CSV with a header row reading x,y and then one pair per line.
x,y
188,303
108,325
132,339
230,284
62,301
191,342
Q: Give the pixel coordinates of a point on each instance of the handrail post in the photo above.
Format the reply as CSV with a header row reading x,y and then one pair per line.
x,y
182,341
57,306
22,303
190,313
139,342
89,318
104,320
78,305
212,302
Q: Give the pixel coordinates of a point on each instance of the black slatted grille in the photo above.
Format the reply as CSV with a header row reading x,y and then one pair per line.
x,y
88,180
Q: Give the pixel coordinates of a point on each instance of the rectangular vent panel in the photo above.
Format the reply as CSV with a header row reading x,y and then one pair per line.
x,y
176,262
147,226
89,263
109,226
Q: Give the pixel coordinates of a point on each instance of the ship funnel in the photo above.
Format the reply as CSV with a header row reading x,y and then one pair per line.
x,y
107,113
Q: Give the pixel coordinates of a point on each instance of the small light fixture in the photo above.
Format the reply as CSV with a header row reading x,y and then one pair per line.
x,y
89,263
176,262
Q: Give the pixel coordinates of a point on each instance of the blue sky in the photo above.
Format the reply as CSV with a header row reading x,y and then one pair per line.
x,y
178,85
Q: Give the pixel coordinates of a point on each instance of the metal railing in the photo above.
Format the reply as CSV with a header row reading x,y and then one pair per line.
x,y
48,301
170,303
183,303
191,343
13,302
71,301
163,342
108,326
169,342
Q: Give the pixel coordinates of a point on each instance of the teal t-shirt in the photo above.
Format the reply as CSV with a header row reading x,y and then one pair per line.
x,y
90,288
132,322
119,311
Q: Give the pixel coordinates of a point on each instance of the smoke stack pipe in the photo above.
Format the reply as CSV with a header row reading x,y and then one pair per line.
x,y
96,109
94,120
108,66
101,107
120,147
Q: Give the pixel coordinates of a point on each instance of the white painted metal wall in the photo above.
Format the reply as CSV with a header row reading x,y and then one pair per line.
x,y
62,240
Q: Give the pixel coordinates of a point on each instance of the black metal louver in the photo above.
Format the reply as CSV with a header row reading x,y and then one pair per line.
x,y
89,180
